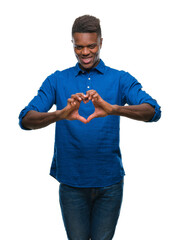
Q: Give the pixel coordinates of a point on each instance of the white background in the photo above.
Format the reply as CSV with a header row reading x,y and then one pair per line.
x,y
141,37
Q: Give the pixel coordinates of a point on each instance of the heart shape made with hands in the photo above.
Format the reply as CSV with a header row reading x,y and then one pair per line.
x,y
101,108
86,108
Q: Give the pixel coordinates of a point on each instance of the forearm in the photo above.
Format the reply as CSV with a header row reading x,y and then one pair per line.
x,y
36,120
142,112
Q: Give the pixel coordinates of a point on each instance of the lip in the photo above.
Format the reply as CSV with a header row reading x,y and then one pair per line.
x,y
86,60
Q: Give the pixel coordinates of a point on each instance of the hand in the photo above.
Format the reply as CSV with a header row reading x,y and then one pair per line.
x,y
102,108
72,108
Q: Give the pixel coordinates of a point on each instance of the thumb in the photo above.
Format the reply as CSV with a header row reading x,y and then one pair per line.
x,y
93,115
82,119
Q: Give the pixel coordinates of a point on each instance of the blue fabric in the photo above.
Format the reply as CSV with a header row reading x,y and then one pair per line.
x,y
88,155
91,213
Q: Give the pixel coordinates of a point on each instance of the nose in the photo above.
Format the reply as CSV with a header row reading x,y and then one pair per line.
x,y
85,51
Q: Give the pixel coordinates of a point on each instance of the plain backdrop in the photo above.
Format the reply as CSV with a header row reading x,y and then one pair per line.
x,y
139,36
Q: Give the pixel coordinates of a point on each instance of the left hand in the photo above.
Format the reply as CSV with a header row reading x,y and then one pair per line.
x,y
102,108
71,111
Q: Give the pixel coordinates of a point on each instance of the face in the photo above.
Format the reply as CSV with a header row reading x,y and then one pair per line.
x,y
87,49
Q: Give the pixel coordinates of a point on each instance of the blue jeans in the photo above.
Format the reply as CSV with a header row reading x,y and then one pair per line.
x,y
90,213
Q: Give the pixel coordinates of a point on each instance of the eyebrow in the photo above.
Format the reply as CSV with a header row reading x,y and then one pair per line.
x,y
93,44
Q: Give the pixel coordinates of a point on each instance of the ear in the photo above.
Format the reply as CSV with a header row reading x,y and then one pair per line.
x,y
101,40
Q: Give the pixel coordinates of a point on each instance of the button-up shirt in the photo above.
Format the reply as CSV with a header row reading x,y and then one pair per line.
x,y
88,155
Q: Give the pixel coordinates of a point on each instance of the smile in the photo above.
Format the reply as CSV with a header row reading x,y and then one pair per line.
x,y
86,60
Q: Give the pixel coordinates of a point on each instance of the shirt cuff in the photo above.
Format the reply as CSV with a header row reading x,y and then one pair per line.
x,y
23,114
157,114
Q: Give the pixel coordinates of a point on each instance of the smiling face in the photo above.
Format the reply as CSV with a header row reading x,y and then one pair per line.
x,y
87,49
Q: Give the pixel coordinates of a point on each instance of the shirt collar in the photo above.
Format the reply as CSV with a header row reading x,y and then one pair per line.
x,y
100,68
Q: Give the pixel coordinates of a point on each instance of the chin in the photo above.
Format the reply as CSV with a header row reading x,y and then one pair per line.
x,y
89,65
86,66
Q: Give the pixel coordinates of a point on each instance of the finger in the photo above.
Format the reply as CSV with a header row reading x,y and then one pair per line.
x,y
91,117
95,97
81,95
90,94
86,100
71,101
89,91
76,97
82,119
84,97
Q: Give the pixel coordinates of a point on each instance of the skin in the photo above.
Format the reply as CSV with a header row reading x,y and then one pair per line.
x,y
87,50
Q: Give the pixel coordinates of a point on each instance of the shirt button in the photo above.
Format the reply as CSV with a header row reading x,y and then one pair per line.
x,y
88,86
89,78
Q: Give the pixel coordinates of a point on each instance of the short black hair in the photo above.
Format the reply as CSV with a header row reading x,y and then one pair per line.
x,y
87,24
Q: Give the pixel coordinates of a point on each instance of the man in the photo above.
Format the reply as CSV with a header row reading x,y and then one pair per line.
x,y
90,99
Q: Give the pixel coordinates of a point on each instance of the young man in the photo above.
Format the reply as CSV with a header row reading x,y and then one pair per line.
x,y
90,99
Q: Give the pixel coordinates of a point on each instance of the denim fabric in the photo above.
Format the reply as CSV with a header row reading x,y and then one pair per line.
x,y
90,213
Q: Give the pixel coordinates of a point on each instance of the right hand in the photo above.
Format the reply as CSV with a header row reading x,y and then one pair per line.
x,y
70,112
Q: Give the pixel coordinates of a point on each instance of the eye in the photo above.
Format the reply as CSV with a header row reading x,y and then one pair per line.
x,y
78,47
92,46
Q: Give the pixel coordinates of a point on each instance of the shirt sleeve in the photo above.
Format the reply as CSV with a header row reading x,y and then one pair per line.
x,y
44,99
133,94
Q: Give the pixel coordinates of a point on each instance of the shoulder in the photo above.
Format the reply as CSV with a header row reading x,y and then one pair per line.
x,y
121,74
60,74
65,72
126,80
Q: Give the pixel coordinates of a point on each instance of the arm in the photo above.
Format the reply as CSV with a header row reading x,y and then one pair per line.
x,y
144,107
36,120
142,112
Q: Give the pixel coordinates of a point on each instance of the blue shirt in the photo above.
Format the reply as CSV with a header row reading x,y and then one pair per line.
x,y
88,155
